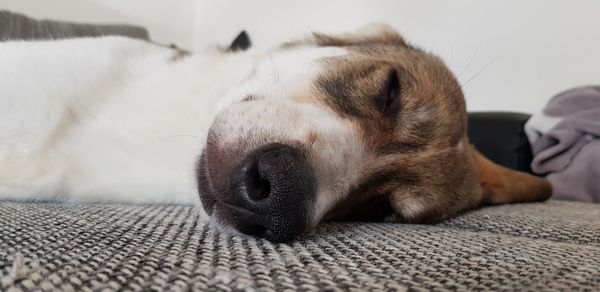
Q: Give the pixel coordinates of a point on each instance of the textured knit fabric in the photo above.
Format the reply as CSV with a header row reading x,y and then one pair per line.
x,y
546,246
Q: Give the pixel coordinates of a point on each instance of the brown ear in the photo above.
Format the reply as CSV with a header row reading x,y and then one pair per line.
x,y
502,185
375,33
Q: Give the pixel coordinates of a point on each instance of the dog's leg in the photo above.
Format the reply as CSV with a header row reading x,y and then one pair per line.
x,y
502,185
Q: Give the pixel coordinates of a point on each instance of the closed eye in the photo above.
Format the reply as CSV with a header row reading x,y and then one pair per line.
x,y
389,101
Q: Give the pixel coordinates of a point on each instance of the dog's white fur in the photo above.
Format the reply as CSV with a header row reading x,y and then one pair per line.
x,y
113,119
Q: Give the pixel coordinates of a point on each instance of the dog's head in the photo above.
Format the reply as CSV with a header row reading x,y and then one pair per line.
x,y
355,126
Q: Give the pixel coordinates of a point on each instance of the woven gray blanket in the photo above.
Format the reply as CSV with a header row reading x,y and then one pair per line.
x,y
546,246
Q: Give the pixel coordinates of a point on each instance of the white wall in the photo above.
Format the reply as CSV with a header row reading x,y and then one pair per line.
x,y
522,52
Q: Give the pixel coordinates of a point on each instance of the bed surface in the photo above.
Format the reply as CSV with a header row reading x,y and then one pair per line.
x,y
543,246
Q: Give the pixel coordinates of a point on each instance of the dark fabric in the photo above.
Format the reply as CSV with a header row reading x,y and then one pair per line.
x,y
14,26
569,153
551,246
501,138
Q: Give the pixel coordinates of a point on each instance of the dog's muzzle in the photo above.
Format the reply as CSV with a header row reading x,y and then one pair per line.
x,y
267,193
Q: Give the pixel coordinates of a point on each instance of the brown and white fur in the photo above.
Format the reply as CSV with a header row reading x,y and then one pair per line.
x,y
379,124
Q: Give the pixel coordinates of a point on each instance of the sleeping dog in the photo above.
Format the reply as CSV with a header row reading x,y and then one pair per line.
x,y
360,126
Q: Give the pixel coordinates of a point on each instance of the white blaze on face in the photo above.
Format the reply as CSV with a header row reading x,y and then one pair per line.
x,y
276,104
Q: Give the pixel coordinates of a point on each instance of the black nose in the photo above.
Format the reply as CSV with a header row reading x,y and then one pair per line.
x,y
274,188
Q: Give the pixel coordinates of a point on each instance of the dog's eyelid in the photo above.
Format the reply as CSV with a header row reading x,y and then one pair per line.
x,y
389,100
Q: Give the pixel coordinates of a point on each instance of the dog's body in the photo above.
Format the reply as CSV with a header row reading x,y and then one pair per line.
x,y
119,120
103,119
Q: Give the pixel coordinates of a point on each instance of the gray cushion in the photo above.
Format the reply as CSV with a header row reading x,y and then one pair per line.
x,y
14,26
543,246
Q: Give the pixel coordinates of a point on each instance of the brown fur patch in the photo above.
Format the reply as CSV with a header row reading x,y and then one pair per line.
x,y
422,169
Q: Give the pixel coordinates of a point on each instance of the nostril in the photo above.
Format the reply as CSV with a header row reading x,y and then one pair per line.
x,y
257,187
